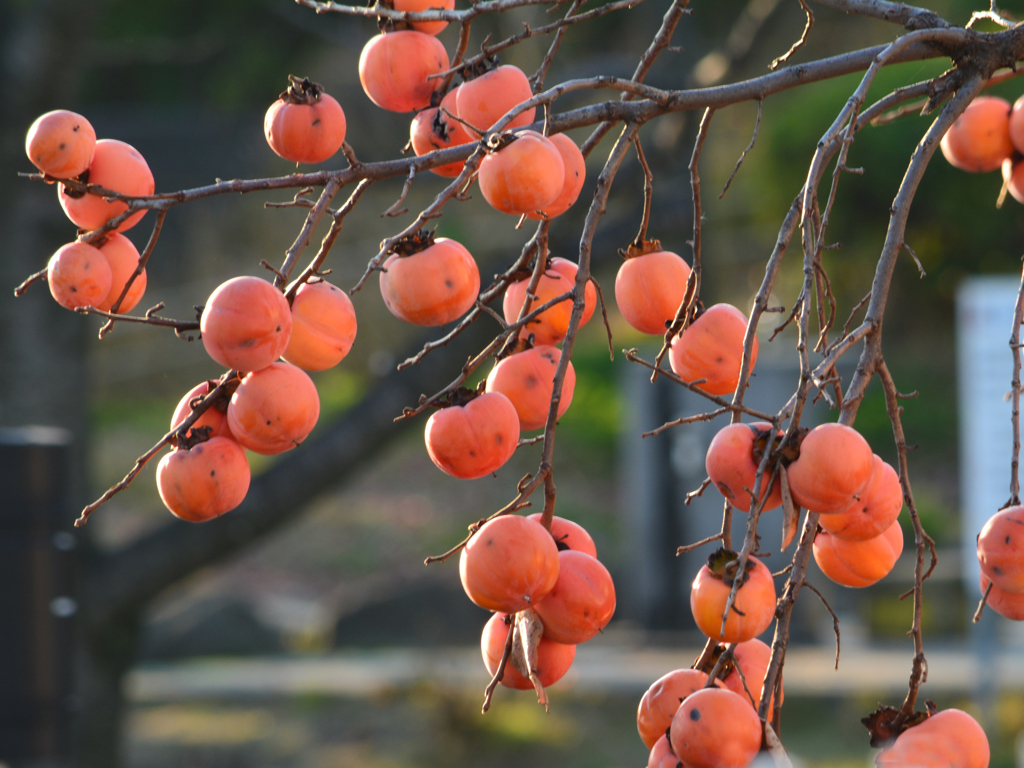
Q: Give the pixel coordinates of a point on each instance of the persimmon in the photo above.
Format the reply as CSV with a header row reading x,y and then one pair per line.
x,y
246,324
575,175
123,258
394,69
305,124
527,379
1001,549
715,728
754,607
553,659
979,140
568,535
948,739
551,325
204,481
1013,177
472,440
433,129
484,100
509,565
649,289
1009,605
711,348
525,173
858,563
662,699
833,471
213,417
413,6
323,327
1017,124
60,144
582,601
79,276
751,658
877,509
118,167
274,409
662,755
433,283
733,459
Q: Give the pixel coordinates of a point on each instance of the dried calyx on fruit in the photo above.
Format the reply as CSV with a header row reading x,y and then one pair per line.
x,y
724,565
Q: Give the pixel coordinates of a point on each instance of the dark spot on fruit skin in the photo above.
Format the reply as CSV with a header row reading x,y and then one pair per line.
x,y
62,145
448,283
720,360
497,439
695,714
213,472
997,570
268,422
531,382
1007,539
472,453
279,329
317,121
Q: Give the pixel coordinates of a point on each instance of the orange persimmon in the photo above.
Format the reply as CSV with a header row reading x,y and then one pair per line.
x,y
115,166
833,470
733,459
858,563
246,324
305,125
979,140
414,6
582,601
551,325
213,417
434,285
715,728
877,509
711,348
662,699
394,69
525,174
484,100
527,379
553,659
1009,605
568,535
755,599
205,481
79,275
751,658
472,440
123,258
1001,549
274,409
60,143
649,289
434,129
575,175
323,327
948,739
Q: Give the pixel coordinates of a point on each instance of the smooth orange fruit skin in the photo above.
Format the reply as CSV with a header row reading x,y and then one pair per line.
x,y
858,563
427,27
979,140
79,276
60,143
483,101
116,166
509,565
323,327
1013,177
523,177
553,659
473,440
394,67
716,728
712,348
569,534
755,599
433,287
246,324
662,699
274,409
833,471
1010,605
948,739
551,325
878,508
752,657
123,258
528,379
1001,549
426,134
305,133
730,465
649,290
575,175
203,482
662,755
1017,124
212,417
582,601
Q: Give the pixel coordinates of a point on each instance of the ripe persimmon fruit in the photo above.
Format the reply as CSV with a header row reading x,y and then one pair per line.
x,y
246,324
553,659
568,535
877,509
204,481
948,739
1009,605
433,129
394,68
274,409
429,281
213,417
732,461
60,143
1013,177
527,379
472,440
551,325
484,100
1001,549
711,348
659,704
123,258
582,601
751,658
118,167
662,755
649,288
523,173
833,471
413,6
305,124
510,564
575,175
323,327
753,609
858,563
79,276
979,140
715,728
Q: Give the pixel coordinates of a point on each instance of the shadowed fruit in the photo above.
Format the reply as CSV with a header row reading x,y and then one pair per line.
x,y
118,167
650,288
123,258
551,325
711,348
523,176
432,286
858,563
754,605
79,276
553,659
715,728
205,481
323,327
394,67
662,699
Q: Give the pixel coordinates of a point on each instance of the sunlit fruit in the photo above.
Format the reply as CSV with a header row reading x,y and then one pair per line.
x,y
123,258
305,124
433,129
527,379
649,289
569,535
753,609
662,755
510,564
858,563
274,409
213,417
246,324
394,69
582,601
979,140
522,176
833,471
485,99
711,348
732,462
204,481
1017,124
323,327
662,699
553,659
948,739
551,325
575,175
472,440
1009,605
118,167
751,658
60,143
1013,177
431,286
413,6
1001,549
877,509
715,728
79,276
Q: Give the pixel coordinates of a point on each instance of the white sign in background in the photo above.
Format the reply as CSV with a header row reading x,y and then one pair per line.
x,y
984,320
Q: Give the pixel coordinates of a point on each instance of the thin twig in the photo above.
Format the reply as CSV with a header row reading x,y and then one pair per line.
x,y
33,278
750,146
835,619
500,671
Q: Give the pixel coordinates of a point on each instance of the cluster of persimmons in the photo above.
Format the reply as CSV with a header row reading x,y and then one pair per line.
x,y
989,136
